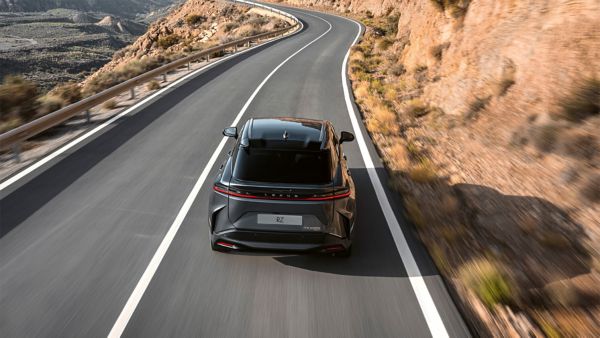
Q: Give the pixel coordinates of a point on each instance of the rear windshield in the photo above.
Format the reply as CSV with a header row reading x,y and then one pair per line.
x,y
282,166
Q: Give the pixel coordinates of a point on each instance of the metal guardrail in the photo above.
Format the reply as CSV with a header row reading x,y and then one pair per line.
x,y
13,138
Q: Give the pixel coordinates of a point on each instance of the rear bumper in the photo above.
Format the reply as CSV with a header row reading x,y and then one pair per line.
x,y
281,241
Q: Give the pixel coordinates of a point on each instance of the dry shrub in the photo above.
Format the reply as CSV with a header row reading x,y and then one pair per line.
x,y
457,8
381,119
385,44
10,123
476,106
18,96
123,73
390,93
582,103
153,85
397,69
423,172
361,90
110,104
230,26
50,103
545,137
194,19
398,156
166,41
579,145
438,51
504,85
488,281
416,108
590,190
69,92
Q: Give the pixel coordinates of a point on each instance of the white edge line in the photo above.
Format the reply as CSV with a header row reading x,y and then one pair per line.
x,y
36,165
428,307
144,282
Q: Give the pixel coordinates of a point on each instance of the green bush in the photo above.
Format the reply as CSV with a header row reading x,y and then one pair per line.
x,y
488,282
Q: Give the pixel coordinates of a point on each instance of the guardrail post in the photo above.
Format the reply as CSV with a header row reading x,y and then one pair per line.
x,y
164,77
88,116
17,152
207,57
189,65
132,92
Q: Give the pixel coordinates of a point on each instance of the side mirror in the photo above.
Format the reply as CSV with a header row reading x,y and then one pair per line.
x,y
230,132
346,136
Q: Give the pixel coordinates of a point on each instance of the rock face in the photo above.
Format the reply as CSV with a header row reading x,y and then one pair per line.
x,y
194,25
546,46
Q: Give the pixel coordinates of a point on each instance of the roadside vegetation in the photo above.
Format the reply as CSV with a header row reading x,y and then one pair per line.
x,y
483,241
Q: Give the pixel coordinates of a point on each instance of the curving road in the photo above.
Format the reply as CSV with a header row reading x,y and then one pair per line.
x,y
111,236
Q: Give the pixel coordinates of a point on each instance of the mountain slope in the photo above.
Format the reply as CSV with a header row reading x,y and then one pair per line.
x,y
121,7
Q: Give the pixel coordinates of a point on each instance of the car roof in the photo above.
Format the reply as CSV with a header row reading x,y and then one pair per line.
x,y
285,133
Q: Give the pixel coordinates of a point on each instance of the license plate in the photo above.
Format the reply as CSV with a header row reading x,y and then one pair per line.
x,y
279,219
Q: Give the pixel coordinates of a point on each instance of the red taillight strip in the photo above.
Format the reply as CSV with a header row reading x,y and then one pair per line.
x,y
326,198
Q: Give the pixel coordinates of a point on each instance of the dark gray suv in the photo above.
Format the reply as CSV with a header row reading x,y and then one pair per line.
x,y
284,186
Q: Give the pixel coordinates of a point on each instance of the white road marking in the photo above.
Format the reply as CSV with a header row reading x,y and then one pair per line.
x,y
28,170
432,316
142,285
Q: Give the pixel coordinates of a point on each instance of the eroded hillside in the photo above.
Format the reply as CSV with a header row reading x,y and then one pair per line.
x,y
486,113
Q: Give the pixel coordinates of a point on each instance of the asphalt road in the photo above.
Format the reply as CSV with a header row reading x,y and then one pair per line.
x,y
78,233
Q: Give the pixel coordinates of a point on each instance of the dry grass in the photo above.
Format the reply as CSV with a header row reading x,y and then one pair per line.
x,y
423,172
398,156
381,119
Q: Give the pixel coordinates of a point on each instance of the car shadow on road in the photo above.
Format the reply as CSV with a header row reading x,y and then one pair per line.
x,y
374,251
32,195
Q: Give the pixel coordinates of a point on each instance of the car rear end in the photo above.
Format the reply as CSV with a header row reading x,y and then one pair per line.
x,y
281,197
